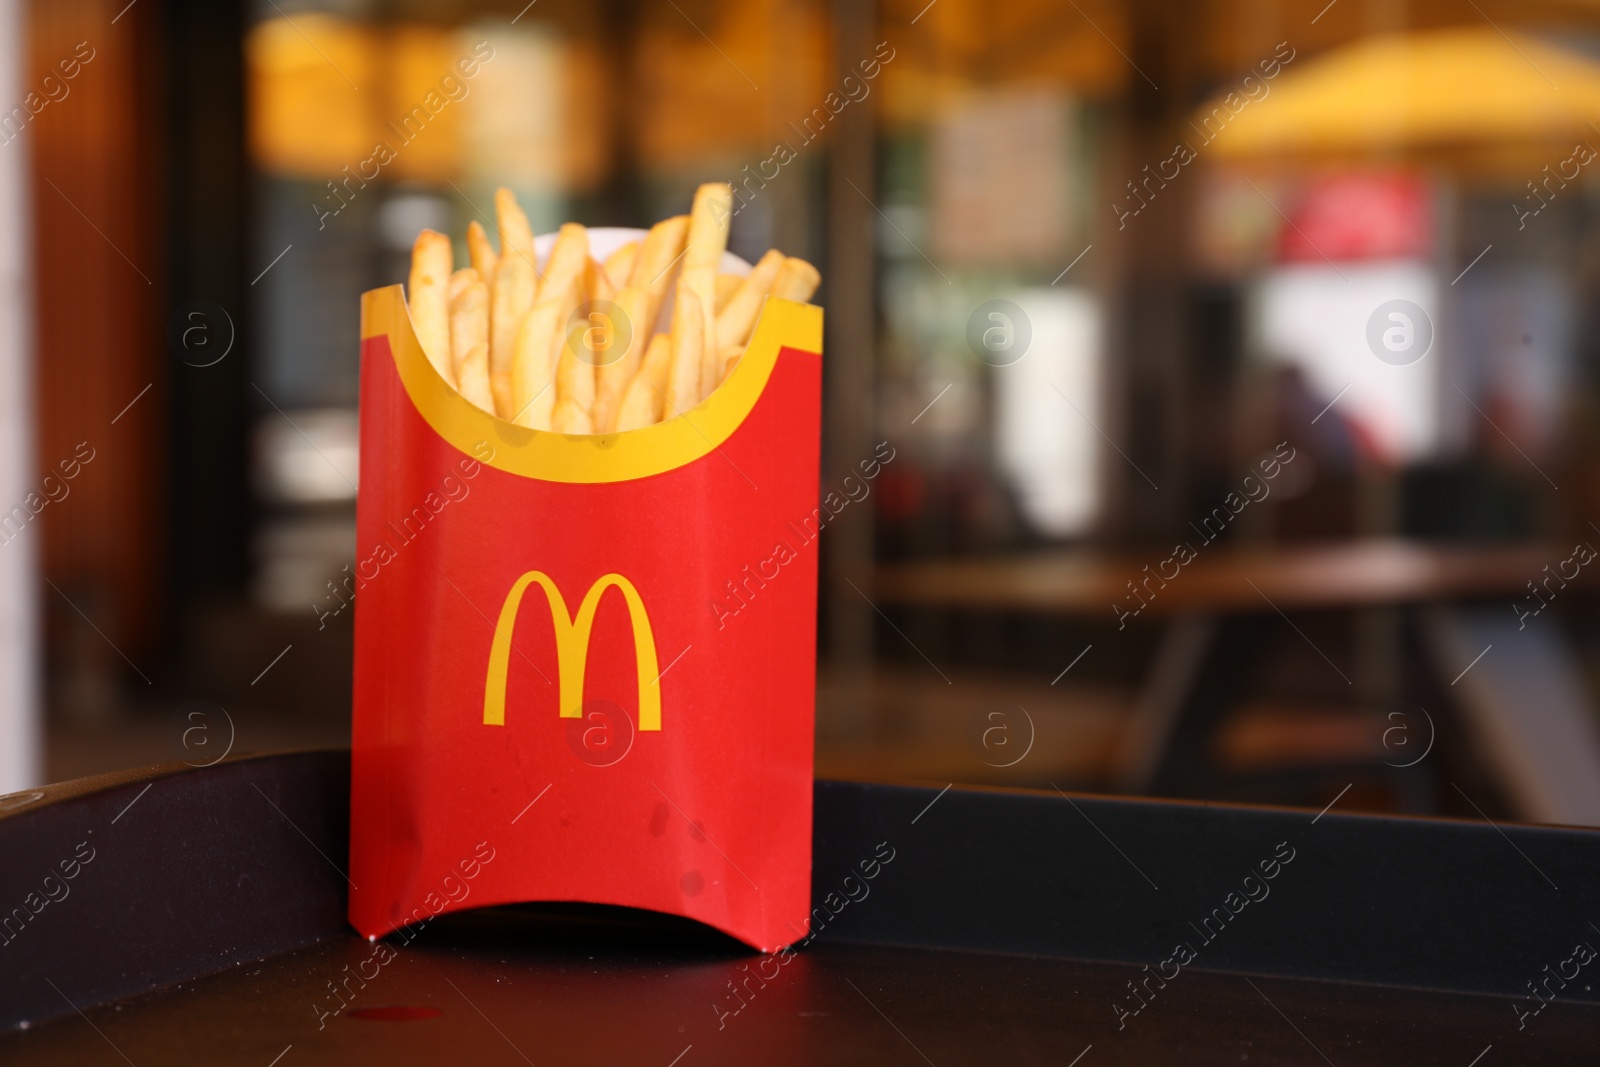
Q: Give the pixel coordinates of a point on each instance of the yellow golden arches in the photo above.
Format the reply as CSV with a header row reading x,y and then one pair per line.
x,y
572,648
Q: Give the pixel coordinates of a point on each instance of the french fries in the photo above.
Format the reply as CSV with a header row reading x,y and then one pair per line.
x,y
796,281
619,264
484,257
727,285
569,261
570,417
429,296
535,358
659,256
507,336
472,376
727,360
597,283
575,368
688,352
630,338
708,238
569,274
469,317
510,299
516,236
738,318
645,398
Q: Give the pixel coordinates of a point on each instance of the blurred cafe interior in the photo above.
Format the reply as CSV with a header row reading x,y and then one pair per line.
x,y
1236,363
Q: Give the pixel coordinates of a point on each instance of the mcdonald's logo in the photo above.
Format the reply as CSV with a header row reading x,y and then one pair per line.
x,y
572,648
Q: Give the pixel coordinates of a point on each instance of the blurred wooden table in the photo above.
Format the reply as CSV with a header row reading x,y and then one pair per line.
x,y
1336,576
1526,704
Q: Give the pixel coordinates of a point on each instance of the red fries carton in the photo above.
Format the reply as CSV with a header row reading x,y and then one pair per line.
x,y
585,665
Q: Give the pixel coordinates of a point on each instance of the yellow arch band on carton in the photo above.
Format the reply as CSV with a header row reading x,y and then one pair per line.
x,y
572,648
616,457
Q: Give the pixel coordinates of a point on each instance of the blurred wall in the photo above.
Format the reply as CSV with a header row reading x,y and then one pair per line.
x,y
100,377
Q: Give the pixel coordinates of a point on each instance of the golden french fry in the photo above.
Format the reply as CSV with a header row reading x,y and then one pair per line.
x,y
569,417
575,365
635,409
630,335
460,279
738,318
469,316
657,361
661,248
484,257
796,280
727,285
568,263
534,359
516,236
688,353
510,299
472,377
727,360
567,277
659,258
500,390
708,227
645,396
619,264
708,239
428,297
597,283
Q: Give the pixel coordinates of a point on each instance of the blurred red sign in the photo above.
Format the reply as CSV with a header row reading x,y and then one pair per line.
x,y
1359,216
